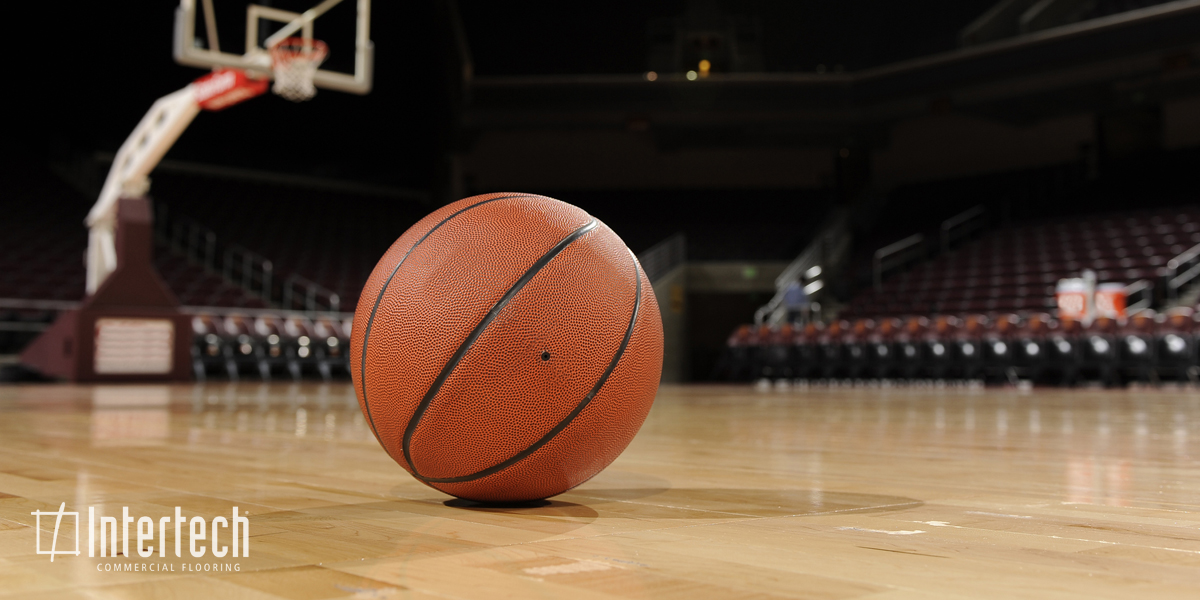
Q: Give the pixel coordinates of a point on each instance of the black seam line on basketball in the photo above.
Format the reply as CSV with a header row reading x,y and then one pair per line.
x,y
379,298
612,365
436,386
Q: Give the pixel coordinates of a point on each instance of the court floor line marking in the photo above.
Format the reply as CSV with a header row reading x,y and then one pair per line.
x,y
755,519
753,516
992,514
884,531
1056,537
749,519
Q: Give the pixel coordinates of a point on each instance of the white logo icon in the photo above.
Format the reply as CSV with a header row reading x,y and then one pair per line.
x,y
60,513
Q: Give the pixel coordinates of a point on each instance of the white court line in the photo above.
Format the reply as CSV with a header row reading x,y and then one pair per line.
x,y
903,532
1056,537
582,566
991,514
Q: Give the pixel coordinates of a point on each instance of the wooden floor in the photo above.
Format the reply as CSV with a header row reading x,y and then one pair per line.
x,y
727,492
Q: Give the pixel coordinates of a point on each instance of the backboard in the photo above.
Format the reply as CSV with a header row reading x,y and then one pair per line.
x,y
346,28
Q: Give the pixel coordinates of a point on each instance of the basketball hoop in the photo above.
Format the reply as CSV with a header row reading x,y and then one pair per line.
x,y
294,61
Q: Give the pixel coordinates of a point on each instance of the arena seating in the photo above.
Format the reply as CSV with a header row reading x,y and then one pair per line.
x,y
41,259
333,238
1016,269
267,345
196,287
983,311
42,251
1004,347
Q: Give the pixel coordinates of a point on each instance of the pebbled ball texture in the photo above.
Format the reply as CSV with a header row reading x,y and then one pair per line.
x,y
506,348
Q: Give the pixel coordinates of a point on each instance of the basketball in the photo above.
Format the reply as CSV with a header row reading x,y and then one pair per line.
x,y
506,348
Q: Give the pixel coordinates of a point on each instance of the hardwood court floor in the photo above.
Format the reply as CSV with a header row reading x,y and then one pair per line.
x,y
727,492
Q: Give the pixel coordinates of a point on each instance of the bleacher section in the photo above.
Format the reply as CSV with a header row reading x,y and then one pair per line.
x,y
269,344
42,236
330,237
43,241
1001,348
196,287
1016,269
985,310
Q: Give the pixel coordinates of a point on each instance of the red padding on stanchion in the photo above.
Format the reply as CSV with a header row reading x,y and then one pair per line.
x,y
225,87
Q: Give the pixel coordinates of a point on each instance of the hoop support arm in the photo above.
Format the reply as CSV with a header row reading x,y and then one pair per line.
x,y
129,176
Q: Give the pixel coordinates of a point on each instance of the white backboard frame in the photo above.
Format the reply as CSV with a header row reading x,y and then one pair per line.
x,y
257,59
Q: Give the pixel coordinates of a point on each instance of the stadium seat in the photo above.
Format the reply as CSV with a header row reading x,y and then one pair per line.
x,y
1175,345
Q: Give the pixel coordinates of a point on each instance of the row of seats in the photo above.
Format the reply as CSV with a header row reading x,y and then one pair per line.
x,y
333,238
42,251
1007,347
269,345
20,327
1016,269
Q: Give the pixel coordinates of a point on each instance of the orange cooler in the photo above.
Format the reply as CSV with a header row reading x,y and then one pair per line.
x,y
1110,300
1072,297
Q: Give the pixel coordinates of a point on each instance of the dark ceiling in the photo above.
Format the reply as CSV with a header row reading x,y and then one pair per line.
x,y
92,77
797,35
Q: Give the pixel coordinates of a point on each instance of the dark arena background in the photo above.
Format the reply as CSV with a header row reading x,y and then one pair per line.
x,y
928,276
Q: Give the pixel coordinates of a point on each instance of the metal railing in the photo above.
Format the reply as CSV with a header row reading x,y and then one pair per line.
x,y
664,256
239,265
827,250
311,297
225,311
897,254
250,270
38,324
24,304
963,224
1189,262
1145,288
196,242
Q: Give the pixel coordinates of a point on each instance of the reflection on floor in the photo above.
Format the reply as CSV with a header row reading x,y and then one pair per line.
x,y
726,492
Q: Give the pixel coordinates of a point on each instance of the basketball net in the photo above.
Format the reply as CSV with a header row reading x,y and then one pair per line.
x,y
295,61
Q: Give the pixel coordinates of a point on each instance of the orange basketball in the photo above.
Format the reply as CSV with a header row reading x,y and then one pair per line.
x,y
506,348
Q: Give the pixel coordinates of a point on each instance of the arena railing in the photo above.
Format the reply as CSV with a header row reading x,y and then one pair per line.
x,y
240,266
312,296
664,256
824,253
1189,262
38,305
897,254
187,238
248,269
963,224
226,311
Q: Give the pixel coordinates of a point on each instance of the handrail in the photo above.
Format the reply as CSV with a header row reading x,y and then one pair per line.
x,y
827,249
312,294
1175,280
256,312
26,304
1141,285
894,250
1183,257
962,219
239,265
833,229
254,270
184,237
664,256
